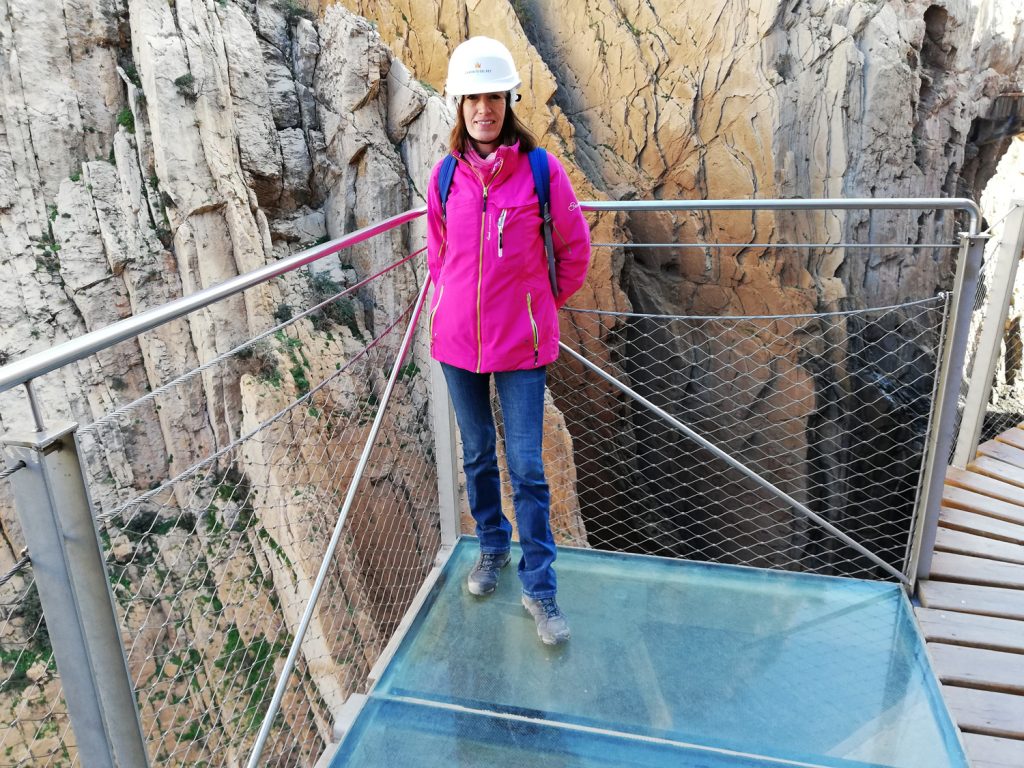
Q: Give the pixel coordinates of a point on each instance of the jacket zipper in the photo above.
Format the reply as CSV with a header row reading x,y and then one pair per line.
x,y
480,263
433,314
501,226
533,327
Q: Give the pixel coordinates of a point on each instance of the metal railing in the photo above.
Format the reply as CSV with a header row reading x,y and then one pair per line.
x,y
987,411
211,538
34,366
215,537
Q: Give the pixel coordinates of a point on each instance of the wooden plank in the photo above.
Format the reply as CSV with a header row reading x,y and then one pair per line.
x,y
978,667
958,628
999,470
948,566
987,601
982,525
977,493
993,752
960,498
995,714
1014,437
1003,452
948,540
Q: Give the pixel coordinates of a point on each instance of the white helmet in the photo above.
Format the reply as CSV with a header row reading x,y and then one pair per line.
x,y
481,65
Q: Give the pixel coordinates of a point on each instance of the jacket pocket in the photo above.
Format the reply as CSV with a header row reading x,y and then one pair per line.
x,y
533,327
435,259
433,314
441,251
517,232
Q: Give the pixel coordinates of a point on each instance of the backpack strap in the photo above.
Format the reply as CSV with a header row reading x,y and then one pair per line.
x,y
444,181
542,181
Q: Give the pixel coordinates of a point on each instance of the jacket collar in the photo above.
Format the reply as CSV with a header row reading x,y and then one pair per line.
x,y
507,155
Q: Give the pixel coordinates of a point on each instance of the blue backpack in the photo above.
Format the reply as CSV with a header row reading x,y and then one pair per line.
x,y
542,182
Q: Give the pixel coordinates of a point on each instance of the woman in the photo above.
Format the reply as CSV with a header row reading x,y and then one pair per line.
x,y
494,313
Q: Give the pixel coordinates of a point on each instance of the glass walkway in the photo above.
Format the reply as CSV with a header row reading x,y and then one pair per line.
x,y
672,663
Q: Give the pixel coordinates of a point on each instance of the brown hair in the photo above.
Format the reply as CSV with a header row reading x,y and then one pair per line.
x,y
511,130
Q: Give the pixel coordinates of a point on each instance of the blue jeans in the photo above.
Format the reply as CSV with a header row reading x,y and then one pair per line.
x,y
522,407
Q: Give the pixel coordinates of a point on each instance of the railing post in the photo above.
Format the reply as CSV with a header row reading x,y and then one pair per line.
x,y
67,562
958,327
446,448
999,293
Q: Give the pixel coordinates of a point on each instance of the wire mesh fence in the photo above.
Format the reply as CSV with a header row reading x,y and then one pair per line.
x,y
1005,411
829,408
212,569
36,730
213,531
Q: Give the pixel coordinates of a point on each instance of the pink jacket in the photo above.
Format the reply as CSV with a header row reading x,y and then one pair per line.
x,y
492,308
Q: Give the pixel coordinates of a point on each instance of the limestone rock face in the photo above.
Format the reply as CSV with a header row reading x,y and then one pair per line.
x,y
759,99
151,150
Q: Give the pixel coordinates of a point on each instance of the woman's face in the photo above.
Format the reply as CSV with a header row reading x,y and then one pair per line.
x,y
484,114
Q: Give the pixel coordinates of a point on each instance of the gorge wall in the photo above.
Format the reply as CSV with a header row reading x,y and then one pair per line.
x,y
755,99
751,99
149,149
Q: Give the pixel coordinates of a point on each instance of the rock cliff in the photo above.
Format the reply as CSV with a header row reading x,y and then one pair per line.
x,y
150,150
754,99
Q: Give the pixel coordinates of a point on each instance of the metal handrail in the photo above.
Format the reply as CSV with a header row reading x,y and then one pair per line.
x,y
41,363
780,246
818,204
213,362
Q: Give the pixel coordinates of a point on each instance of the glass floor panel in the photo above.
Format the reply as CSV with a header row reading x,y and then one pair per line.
x,y
671,663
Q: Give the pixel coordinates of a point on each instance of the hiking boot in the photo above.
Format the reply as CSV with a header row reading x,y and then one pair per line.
x,y
552,626
484,576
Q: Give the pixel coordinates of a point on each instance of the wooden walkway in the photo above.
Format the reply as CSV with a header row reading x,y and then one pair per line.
x,y
972,604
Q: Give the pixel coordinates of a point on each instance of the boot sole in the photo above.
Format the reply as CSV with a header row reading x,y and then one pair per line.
x,y
554,640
